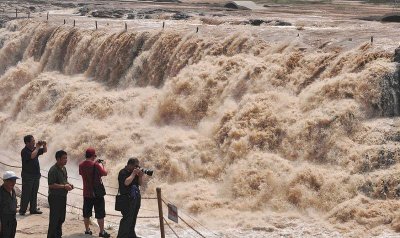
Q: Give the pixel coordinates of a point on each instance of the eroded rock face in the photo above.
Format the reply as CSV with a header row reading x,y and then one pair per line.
x,y
3,20
391,93
397,55
83,10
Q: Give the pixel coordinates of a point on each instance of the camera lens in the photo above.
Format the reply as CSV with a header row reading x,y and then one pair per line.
x,y
148,172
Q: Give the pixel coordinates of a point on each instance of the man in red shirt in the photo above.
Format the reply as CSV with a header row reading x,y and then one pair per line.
x,y
91,172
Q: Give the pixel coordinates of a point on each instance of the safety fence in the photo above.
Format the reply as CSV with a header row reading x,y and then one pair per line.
x,y
25,13
47,17
188,230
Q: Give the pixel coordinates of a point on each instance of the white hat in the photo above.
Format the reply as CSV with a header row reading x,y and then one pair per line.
x,y
9,175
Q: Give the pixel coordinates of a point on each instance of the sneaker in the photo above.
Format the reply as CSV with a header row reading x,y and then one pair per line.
x,y
22,213
104,234
89,232
36,212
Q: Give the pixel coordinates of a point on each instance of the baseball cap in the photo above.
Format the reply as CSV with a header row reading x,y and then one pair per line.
x,y
9,175
90,152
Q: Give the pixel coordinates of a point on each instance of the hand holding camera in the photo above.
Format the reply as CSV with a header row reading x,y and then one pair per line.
x,y
137,172
41,143
101,161
140,171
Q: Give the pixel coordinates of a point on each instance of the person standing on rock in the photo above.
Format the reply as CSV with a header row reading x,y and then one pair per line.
x,y
8,205
58,190
31,174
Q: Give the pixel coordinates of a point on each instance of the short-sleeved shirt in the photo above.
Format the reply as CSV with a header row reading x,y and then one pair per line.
x,y
8,202
58,175
86,170
30,167
122,176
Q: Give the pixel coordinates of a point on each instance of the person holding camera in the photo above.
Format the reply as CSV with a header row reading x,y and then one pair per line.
x,y
31,174
93,190
8,205
129,180
58,190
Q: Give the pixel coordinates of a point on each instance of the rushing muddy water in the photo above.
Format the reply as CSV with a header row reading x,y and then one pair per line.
x,y
255,138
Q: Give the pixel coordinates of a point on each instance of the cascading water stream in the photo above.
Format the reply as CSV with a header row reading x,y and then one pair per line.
x,y
232,124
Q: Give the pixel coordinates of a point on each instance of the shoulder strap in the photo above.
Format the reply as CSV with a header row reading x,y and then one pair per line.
x,y
94,171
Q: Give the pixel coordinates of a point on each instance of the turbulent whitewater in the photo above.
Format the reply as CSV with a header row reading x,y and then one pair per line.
x,y
238,130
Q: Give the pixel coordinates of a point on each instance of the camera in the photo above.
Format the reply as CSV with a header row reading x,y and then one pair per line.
x,y
148,172
100,161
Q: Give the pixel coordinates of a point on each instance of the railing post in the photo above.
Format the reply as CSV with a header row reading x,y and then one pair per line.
x,y
160,212
16,13
126,26
96,24
47,16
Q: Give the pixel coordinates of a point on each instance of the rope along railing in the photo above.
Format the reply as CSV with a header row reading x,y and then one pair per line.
x,y
79,208
76,187
19,13
191,227
208,230
44,170
166,222
159,197
161,200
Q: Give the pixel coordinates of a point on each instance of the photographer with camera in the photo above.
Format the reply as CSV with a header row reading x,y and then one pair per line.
x,y
129,180
31,174
93,190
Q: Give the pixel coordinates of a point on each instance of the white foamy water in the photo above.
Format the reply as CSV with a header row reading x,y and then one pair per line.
x,y
252,138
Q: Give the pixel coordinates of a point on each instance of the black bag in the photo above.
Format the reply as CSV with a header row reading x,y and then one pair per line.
x,y
98,189
121,202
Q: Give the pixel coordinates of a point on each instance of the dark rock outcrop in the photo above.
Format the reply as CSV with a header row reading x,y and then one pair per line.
x,y
258,22
176,1
391,18
116,13
63,5
397,55
389,103
83,11
180,16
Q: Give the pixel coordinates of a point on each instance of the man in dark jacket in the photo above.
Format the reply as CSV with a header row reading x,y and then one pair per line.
x,y
8,205
129,180
31,174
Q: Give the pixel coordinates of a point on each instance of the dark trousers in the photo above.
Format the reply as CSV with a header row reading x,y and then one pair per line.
x,y
8,226
128,221
30,188
58,206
